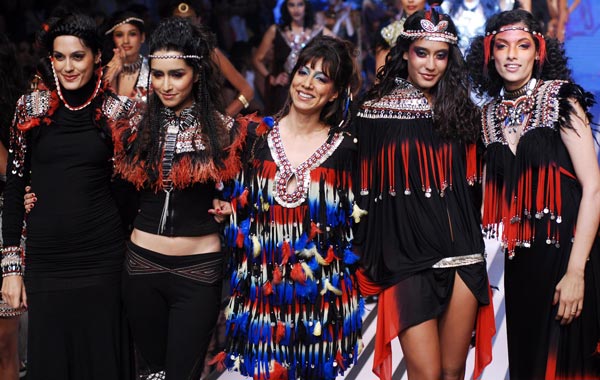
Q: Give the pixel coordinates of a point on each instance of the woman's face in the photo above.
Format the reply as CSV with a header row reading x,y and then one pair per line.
x,y
130,39
173,80
311,88
411,6
73,62
514,55
297,9
427,63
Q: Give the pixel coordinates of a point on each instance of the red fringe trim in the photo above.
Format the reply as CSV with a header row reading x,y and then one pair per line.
x,y
219,360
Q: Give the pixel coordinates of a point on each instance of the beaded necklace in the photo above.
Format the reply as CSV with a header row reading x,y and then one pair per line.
x,y
131,68
513,108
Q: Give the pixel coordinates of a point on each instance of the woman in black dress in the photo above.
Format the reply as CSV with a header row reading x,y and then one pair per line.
x,y
543,186
60,144
420,241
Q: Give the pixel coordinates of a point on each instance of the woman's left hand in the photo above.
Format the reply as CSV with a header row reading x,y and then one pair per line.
x,y
221,210
568,295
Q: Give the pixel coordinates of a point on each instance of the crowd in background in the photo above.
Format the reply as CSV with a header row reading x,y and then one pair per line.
x,y
239,25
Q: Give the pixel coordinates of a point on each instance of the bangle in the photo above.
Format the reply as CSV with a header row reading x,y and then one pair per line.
x,y
12,261
243,100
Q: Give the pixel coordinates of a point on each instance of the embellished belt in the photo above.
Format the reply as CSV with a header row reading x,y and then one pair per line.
x,y
208,272
459,261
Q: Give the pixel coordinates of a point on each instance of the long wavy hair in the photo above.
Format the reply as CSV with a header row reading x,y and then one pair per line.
x,y
180,35
286,18
455,115
339,64
489,81
65,23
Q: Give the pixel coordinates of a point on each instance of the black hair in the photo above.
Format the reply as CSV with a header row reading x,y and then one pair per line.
x,y
286,18
489,81
180,35
339,64
121,16
65,24
455,115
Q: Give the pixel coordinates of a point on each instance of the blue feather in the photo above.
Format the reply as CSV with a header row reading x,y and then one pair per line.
x,y
350,257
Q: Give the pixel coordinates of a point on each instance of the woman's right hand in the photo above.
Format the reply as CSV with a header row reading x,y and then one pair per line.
x,y
13,291
29,199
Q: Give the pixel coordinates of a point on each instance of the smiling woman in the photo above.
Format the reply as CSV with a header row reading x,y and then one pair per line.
x,y
420,241
60,145
294,311
178,157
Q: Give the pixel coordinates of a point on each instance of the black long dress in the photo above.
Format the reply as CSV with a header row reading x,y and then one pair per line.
x,y
538,230
75,244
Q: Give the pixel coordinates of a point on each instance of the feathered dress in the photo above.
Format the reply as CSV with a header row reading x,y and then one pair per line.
x,y
535,195
294,311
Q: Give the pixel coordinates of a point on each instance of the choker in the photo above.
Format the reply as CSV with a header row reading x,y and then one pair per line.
x,y
130,68
514,106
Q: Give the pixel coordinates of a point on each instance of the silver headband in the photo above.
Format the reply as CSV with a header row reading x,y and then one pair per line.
x,y
126,21
170,56
431,32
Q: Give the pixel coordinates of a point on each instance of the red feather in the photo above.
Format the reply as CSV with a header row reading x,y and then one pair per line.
x,y
277,276
314,230
239,240
286,252
330,255
243,198
219,360
267,289
280,332
298,274
340,360
279,372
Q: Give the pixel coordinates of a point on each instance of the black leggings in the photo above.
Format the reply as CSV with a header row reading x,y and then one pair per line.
x,y
172,303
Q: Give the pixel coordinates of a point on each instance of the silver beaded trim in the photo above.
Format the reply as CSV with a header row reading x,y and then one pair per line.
x,y
173,56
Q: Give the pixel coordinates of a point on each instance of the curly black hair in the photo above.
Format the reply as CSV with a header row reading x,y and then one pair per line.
x,y
65,23
489,81
180,35
455,115
286,18
339,64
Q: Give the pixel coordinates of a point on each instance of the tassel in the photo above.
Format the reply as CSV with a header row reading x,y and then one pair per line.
x,y
277,276
357,213
317,330
286,252
165,211
314,230
219,360
330,255
487,48
332,288
243,198
255,246
320,258
280,332
340,360
298,274
236,364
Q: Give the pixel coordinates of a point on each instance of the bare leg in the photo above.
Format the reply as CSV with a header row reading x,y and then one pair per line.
x,y
9,352
456,328
421,348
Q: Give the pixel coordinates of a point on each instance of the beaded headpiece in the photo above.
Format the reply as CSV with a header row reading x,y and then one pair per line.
x,y
128,20
432,32
173,56
489,36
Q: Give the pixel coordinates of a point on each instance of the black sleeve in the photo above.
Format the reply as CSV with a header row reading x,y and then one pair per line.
x,y
17,174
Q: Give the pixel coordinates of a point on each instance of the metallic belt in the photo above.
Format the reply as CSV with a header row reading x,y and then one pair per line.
x,y
459,261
